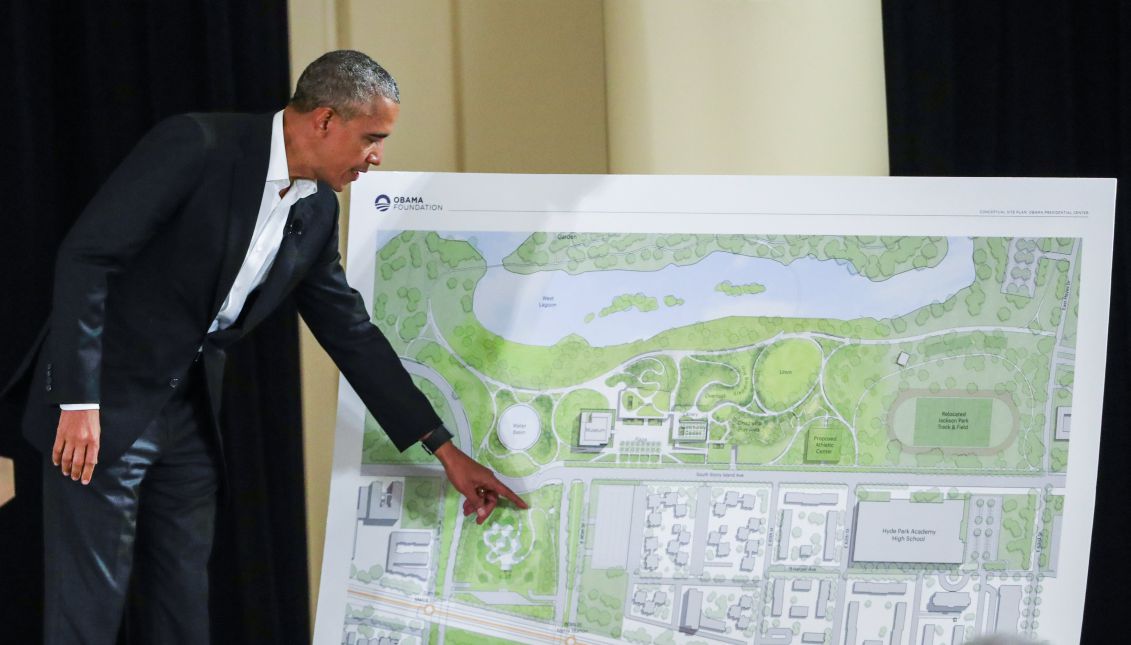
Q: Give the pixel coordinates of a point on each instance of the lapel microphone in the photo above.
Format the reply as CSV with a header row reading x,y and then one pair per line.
x,y
295,227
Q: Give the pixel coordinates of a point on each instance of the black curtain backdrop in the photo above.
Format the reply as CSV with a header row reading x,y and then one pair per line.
x,y
1031,89
85,80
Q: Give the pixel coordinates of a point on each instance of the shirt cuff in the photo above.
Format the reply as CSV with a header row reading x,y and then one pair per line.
x,y
79,406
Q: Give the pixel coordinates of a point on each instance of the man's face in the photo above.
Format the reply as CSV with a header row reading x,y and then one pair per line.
x,y
349,146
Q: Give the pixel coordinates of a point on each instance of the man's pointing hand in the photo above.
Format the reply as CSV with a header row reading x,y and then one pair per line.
x,y
476,482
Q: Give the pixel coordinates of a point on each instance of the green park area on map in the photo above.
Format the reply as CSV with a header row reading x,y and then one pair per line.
x,y
759,387
823,445
952,421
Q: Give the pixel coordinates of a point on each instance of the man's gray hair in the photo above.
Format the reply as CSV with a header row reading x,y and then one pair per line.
x,y
344,80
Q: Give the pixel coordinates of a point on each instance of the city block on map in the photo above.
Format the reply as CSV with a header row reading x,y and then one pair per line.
x,y
722,438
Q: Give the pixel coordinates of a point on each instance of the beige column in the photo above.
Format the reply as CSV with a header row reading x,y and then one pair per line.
x,y
7,480
489,85
531,86
746,86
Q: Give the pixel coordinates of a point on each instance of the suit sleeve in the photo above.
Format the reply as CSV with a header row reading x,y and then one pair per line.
x,y
337,315
139,197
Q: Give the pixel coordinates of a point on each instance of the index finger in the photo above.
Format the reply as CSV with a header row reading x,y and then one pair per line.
x,y
509,494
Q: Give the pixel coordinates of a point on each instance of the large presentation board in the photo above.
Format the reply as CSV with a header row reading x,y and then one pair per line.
x,y
742,409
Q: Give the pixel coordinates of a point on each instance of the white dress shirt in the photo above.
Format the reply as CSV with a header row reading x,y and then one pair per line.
x,y
265,238
268,233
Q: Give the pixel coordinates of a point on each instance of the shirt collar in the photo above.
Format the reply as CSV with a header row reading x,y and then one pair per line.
x,y
278,172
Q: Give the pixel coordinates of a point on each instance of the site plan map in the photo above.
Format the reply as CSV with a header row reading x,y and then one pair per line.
x,y
742,410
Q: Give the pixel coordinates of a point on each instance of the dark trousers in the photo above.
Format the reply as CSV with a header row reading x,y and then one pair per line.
x,y
143,527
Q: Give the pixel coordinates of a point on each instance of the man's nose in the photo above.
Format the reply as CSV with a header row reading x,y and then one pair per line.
x,y
374,159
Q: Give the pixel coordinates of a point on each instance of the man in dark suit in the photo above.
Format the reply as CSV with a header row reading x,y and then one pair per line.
x,y
197,236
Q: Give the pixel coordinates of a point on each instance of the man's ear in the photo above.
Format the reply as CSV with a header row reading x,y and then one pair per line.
x,y
322,117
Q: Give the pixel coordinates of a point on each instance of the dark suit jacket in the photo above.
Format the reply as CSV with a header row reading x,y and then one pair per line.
x,y
143,272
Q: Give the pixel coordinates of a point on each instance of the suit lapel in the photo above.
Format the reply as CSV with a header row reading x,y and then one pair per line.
x,y
249,175
283,267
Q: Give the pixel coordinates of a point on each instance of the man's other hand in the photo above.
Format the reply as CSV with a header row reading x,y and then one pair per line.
x,y
476,482
76,444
